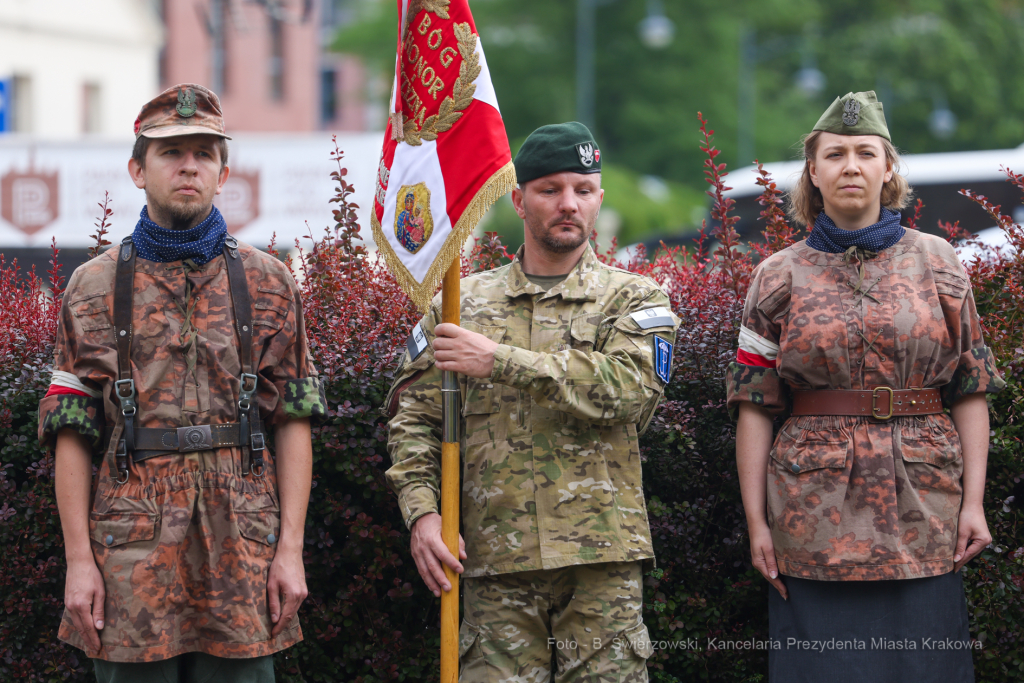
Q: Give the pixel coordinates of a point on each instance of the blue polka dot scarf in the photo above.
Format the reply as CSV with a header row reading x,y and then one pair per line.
x,y
827,236
202,243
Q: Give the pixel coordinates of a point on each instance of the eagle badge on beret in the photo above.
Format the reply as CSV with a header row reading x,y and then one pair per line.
x,y
851,112
586,152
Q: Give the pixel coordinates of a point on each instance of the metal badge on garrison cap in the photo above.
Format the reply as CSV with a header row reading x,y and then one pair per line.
x,y
851,112
183,109
855,113
186,102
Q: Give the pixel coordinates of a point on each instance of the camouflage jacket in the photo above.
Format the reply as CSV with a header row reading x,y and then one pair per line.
x,y
550,461
869,499
186,544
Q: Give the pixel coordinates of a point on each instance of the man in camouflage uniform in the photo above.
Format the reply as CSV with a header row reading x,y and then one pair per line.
x,y
175,351
562,362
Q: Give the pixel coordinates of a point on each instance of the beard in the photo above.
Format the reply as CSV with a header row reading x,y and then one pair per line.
x,y
182,215
559,242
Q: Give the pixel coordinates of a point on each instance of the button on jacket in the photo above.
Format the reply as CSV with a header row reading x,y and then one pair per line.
x,y
185,545
551,465
855,498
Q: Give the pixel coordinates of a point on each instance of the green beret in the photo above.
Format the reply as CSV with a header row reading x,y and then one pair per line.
x,y
557,148
855,113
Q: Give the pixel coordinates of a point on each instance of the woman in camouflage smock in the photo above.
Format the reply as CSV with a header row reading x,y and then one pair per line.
x,y
864,334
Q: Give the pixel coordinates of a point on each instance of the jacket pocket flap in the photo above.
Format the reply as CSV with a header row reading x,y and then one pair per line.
x,y
811,450
638,640
468,634
494,331
950,283
262,526
930,447
774,298
481,396
116,528
583,329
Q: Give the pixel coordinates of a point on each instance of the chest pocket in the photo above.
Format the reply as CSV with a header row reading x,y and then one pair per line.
x,y
951,284
583,332
271,309
482,396
774,303
93,315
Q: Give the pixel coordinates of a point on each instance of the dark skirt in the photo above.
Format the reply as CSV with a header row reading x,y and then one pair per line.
x,y
877,631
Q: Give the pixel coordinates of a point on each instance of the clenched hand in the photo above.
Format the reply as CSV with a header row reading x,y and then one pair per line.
x,y
462,351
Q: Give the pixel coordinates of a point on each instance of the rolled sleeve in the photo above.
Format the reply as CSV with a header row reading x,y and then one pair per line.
x,y
976,371
83,414
754,375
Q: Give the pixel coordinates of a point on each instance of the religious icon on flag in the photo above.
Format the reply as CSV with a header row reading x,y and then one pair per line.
x,y
446,157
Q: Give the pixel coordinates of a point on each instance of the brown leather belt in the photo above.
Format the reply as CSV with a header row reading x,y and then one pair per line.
x,y
881,403
150,443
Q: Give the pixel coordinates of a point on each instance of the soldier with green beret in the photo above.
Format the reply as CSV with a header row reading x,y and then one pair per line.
x,y
562,362
864,507
182,374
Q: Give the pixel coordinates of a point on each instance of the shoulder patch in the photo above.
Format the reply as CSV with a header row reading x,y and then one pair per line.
x,y
417,342
653,317
662,358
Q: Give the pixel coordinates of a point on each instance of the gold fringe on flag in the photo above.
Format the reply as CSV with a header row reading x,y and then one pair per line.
x,y
421,293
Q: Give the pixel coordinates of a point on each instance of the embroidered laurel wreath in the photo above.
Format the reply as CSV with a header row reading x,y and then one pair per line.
x,y
451,107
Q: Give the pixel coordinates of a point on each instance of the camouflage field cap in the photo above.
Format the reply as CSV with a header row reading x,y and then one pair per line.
x,y
855,113
184,109
557,148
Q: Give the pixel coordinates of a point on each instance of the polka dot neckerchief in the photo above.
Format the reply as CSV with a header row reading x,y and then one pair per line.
x,y
201,244
827,236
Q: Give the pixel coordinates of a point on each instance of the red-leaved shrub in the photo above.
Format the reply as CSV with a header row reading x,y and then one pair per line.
x,y
368,616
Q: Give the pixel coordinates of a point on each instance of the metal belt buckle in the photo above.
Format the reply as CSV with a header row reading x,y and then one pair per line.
x,y
195,439
256,442
874,407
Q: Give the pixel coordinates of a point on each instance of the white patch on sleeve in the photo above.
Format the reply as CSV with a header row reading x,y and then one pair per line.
x,y
659,316
758,345
69,381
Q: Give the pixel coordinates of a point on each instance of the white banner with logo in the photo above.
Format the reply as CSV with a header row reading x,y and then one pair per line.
x,y
278,183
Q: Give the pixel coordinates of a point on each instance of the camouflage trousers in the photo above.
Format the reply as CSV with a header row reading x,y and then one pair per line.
x,y
573,624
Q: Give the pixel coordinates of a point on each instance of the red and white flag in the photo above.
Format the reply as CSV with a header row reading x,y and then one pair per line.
x,y
446,157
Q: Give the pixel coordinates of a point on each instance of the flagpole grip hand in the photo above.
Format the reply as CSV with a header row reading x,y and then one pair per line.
x,y
430,552
460,350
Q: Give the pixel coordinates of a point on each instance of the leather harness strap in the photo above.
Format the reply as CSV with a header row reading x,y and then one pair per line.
x,y
139,443
124,387
881,403
250,433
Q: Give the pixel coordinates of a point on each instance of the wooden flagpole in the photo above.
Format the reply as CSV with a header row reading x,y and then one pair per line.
x,y
450,299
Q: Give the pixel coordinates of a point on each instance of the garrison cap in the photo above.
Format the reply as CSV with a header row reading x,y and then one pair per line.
x,y
557,148
183,109
855,113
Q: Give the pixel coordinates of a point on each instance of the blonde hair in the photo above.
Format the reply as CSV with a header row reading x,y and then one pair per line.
x,y
806,202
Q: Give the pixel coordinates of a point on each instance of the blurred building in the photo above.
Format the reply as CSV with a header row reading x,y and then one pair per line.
x,y
267,60
74,74
70,68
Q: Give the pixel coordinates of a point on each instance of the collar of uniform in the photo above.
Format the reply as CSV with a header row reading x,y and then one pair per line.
x,y
823,258
163,269
578,285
